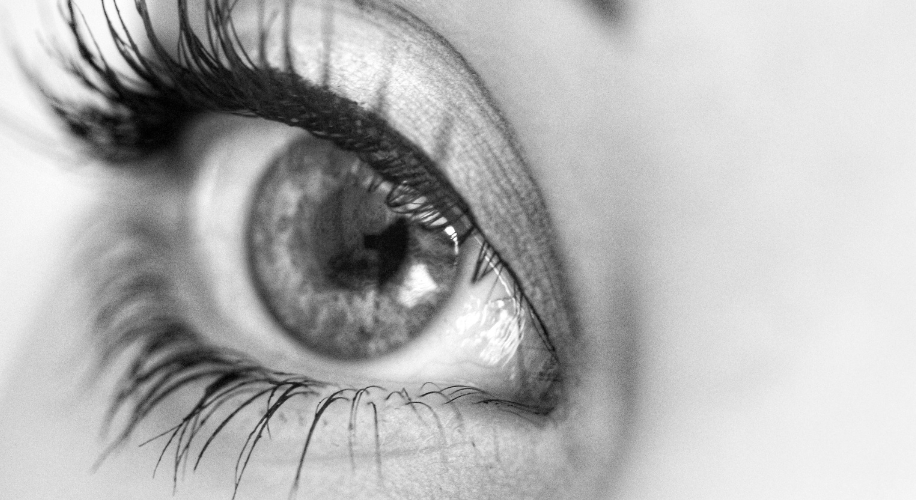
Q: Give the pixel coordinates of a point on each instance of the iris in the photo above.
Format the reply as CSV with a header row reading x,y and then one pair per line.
x,y
345,273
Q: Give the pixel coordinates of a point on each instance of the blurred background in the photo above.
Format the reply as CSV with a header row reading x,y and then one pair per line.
x,y
35,194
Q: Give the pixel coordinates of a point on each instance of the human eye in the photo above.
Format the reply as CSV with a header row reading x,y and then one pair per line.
x,y
322,259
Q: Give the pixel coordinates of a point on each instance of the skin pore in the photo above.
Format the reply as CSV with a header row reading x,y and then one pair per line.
x,y
732,188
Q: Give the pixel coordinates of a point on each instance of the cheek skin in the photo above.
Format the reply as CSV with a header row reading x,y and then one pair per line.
x,y
732,188
777,245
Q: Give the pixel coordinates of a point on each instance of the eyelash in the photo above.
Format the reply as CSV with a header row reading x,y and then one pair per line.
x,y
143,114
137,123
167,357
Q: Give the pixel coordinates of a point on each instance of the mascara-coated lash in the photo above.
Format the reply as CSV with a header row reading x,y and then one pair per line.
x,y
145,110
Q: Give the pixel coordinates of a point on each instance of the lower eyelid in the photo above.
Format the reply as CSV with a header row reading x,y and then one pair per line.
x,y
490,448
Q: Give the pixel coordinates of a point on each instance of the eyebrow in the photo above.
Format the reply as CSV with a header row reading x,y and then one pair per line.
x,y
609,10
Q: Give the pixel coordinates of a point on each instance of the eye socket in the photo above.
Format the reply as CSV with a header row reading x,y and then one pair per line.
x,y
378,86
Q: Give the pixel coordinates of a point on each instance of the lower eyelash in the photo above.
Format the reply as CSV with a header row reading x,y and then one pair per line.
x,y
156,355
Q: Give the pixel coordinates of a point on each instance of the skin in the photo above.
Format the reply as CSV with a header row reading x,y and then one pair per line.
x,y
732,189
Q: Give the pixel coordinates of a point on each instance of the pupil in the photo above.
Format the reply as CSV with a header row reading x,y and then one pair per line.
x,y
391,246
361,242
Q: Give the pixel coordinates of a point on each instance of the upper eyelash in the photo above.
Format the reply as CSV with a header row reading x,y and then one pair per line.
x,y
146,109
